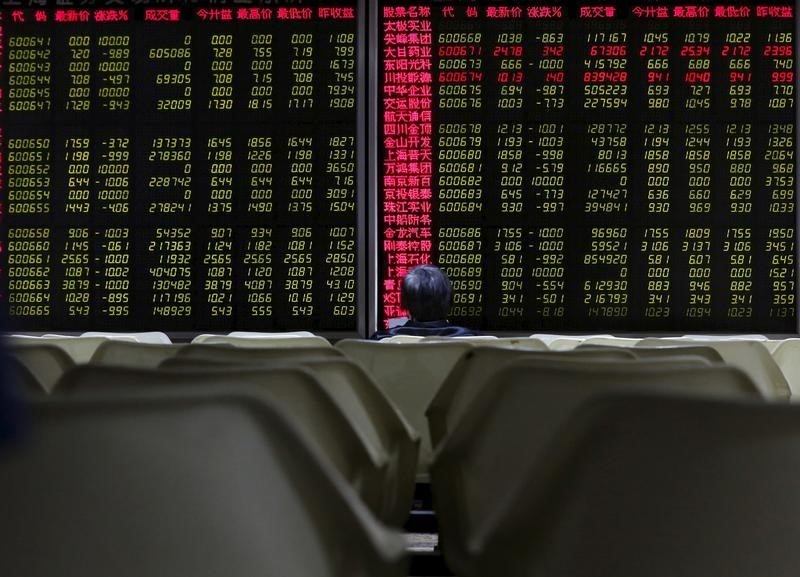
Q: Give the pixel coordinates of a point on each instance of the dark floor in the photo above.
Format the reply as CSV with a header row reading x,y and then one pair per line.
x,y
422,532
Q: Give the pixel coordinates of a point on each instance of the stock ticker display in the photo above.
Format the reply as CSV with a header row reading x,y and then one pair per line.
x,y
179,166
592,166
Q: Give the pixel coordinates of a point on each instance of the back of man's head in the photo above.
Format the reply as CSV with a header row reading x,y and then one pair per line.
x,y
426,293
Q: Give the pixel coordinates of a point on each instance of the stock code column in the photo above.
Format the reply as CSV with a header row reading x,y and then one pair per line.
x,y
609,166
179,167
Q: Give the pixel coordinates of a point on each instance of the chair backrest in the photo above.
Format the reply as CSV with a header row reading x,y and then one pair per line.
x,y
749,355
787,356
230,354
473,371
80,349
367,408
194,483
133,354
547,338
508,426
700,351
410,374
294,389
519,343
257,335
270,342
735,337
21,377
46,362
403,339
565,343
152,337
608,341
656,487
475,339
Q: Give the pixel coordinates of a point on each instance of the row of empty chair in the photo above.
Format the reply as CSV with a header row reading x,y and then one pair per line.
x,y
289,461
411,375
640,485
193,482
486,431
498,420
746,351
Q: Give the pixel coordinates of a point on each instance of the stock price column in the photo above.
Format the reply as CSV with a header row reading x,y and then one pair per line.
x,y
180,168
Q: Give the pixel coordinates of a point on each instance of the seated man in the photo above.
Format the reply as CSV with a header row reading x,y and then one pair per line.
x,y
426,294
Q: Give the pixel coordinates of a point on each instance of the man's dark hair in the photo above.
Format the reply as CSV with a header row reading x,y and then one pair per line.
x,y
426,293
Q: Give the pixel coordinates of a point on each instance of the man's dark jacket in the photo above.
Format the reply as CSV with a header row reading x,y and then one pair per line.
x,y
425,329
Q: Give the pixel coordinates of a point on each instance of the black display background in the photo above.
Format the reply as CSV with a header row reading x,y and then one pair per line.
x,y
142,123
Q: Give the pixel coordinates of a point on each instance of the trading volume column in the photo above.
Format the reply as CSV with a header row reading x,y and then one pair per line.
x,y
180,168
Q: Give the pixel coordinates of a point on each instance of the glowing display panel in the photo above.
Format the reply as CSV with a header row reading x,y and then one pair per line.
x,y
179,167
606,166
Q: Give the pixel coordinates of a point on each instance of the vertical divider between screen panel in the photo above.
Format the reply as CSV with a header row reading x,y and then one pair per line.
x,y
371,272
796,184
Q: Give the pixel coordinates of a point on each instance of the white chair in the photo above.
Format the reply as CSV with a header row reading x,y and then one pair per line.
x,y
409,374
364,404
656,487
749,355
46,363
546,338
565,343
402,339
230,354
152,337
753,337
295,390
255,335
475,370
529,343
80,349
133,354
271,342
787,356
611,341
508,426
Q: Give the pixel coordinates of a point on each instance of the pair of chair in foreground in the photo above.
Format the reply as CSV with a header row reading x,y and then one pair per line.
x,y
187,482
220,462
590,468
330,399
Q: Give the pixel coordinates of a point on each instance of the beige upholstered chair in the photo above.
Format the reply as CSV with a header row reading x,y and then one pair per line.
x,y
368,410
80,349
508,426
228,353
787,356
187,483
474,371
133,354
263,341
45,362
656,487
749,355
410,375
295,390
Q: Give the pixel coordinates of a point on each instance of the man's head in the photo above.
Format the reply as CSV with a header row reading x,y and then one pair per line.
x,y
426,293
